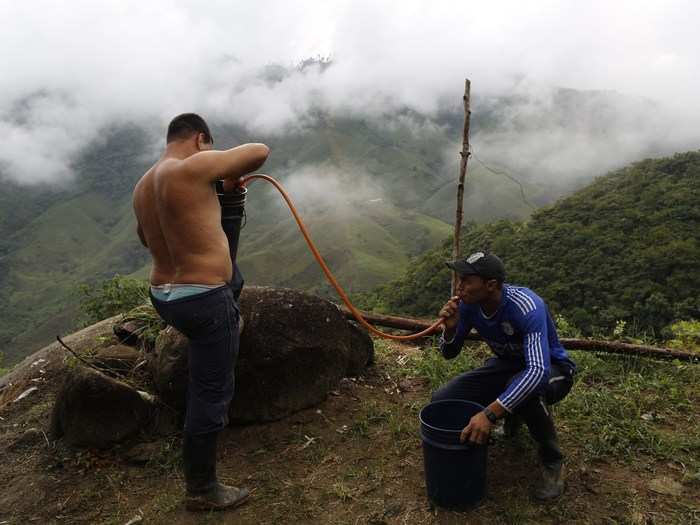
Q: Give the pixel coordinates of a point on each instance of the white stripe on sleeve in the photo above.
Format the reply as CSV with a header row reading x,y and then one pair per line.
x,y
535,372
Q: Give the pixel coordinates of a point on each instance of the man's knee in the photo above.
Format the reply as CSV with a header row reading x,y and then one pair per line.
x,y
558,388
480,385
560,382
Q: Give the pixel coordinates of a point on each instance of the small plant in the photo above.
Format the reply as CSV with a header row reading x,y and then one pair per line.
x,y
402,424
342,491
360,428
619,330
168,457
150,323
566,328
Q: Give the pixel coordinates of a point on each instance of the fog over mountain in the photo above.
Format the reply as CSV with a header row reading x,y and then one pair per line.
x,y
76,69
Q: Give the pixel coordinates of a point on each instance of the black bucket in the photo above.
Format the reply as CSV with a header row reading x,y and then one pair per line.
x,y
455,473
232,215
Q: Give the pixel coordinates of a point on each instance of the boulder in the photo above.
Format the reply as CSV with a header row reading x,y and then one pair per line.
x,y
52,358
362,349
295,348
94,410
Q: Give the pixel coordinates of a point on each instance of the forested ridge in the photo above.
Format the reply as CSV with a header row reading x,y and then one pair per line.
x,y
624,248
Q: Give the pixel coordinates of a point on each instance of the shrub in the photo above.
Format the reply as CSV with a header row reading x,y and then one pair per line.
x,y
685,335
111,297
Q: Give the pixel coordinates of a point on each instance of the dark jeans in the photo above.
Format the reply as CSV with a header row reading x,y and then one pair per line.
x,y
210,322
483,385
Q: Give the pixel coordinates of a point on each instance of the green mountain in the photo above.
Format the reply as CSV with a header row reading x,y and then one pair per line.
x,y
626,247
374,191
54,238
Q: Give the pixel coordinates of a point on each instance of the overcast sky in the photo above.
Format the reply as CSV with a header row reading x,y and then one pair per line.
x,y
70,68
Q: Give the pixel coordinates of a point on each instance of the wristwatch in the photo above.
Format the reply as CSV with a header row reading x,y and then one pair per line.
x,y
490,415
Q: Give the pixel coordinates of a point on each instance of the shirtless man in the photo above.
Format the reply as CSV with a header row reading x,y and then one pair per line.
x,y
179,221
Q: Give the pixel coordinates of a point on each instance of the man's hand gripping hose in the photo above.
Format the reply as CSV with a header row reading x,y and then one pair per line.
x,y
329,275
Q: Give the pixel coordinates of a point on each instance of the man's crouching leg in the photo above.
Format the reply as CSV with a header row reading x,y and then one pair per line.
x,y
204,491
539,421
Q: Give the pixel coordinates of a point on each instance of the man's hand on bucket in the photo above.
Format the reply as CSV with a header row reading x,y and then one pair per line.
x,y
478,429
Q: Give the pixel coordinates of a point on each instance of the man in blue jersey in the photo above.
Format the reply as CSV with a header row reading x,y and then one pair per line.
x,y
530,371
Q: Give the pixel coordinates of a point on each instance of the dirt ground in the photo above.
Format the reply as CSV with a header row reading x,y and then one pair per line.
x,y
354,459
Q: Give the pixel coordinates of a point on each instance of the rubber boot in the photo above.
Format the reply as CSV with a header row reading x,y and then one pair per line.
x,y
551,485
204,492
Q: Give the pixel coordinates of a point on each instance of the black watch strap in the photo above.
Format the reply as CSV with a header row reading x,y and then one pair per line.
x,y
490,415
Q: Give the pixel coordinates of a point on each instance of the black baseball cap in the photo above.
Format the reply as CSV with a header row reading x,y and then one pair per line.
x,y
487,266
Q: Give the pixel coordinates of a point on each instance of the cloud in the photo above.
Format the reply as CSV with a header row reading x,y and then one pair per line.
x,y
326,189
564,136
75,69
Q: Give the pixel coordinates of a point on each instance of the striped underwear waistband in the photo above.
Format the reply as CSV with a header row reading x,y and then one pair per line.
x,y
172,291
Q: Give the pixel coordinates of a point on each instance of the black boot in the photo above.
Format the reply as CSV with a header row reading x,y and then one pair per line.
x,y
552,484
204,492
539,421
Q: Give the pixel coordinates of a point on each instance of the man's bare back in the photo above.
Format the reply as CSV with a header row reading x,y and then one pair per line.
x,y
180,219
178,212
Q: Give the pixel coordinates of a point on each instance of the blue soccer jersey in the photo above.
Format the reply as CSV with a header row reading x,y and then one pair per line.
x,y
522,329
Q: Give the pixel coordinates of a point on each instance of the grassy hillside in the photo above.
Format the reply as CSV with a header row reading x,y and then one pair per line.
x,y
626,247
81,232
364,248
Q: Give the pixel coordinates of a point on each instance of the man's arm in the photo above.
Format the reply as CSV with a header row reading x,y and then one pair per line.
x,y
229,164
537,363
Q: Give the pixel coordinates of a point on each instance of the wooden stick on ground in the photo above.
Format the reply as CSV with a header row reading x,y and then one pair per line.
x,y
77,356
592,345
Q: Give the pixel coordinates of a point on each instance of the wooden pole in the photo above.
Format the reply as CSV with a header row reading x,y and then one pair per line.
x,y
591,345
456,250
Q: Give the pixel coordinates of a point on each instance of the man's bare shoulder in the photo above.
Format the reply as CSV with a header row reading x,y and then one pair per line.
x,y
180,170
169,165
